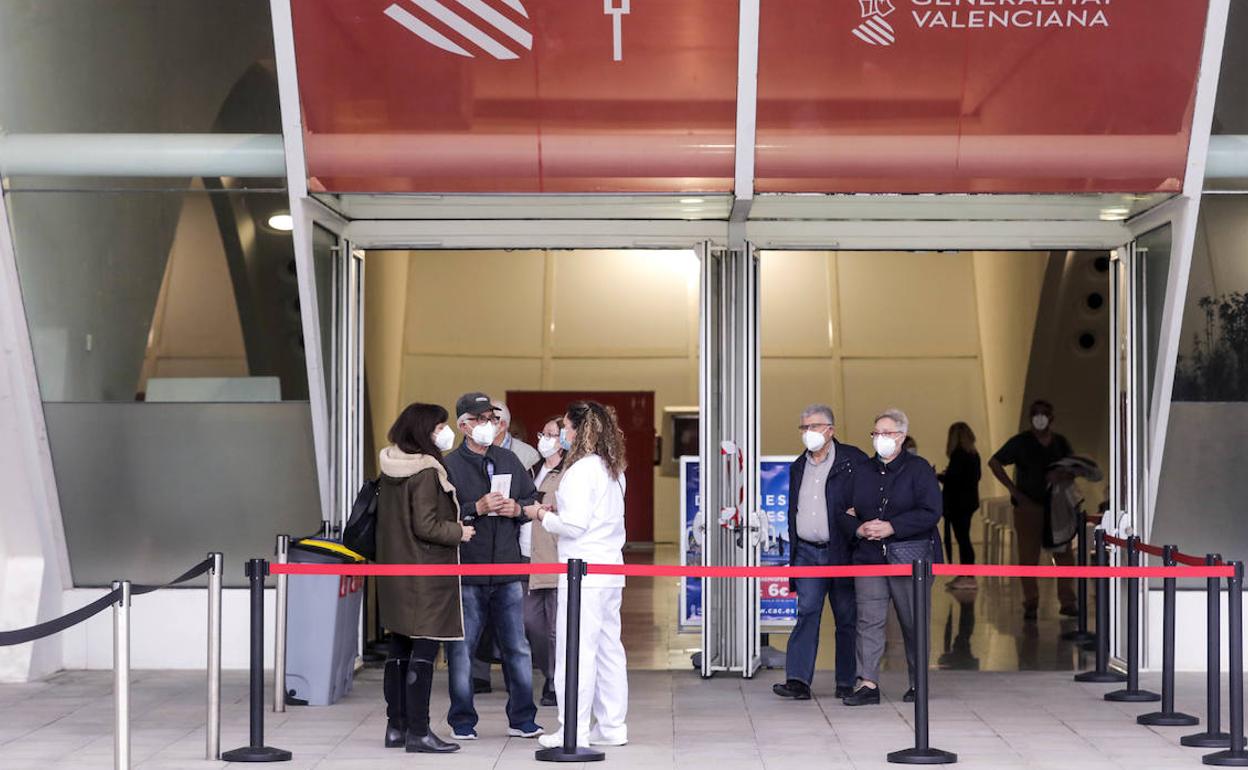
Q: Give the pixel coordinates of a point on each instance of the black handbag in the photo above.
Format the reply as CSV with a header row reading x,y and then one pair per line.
x,y
909,551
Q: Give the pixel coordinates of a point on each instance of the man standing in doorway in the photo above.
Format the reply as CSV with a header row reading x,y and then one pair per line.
x,y
1031,453
529,456
820,489
492,486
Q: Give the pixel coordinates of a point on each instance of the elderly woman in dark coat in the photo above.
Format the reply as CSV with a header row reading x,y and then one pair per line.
x,y
417,523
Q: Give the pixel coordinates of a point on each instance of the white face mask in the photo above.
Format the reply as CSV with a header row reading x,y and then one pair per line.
x,y
485,433
547,446
814,440
885,446
1040,421
444,439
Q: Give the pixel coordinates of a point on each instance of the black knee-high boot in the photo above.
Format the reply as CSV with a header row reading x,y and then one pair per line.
x,y
419,687
394,687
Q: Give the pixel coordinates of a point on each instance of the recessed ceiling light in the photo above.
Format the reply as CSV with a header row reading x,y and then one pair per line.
x,y
284,222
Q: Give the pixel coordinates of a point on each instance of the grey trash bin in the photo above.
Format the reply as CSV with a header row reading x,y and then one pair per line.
x,y
322,625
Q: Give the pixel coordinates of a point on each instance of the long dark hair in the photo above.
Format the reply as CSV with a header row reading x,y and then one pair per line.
x,y
412,432
597,432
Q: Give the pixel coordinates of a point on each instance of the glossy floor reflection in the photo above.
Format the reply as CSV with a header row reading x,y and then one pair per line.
x,y
972,630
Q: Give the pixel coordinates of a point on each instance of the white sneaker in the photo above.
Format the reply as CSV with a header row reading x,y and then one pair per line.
x,y
598,740
467,735
550,740
516,732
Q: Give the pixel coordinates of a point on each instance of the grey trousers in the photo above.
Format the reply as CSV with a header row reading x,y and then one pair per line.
x,y
874,594
541,606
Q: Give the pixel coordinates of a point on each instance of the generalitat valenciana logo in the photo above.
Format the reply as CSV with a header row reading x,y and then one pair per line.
x,y
878,29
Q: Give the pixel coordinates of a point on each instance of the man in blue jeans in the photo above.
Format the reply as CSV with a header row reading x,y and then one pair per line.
x,y
820,487
493,487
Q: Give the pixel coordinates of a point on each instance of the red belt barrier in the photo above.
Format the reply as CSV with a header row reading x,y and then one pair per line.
x,y
1115,541
1018,570
1158,551
1151,550
675,570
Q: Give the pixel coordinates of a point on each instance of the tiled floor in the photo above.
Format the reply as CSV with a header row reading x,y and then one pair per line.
x,y
992,720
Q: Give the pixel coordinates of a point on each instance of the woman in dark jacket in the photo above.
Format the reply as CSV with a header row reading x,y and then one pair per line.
x,y
417,523
896,506
960,491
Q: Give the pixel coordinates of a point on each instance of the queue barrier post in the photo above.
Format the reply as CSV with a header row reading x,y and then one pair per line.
x,y
1236,755
1132,693
1212,737
1081,635
280,596
1168,717
569,751
1102,673
212,737
256,751
121,676
922,753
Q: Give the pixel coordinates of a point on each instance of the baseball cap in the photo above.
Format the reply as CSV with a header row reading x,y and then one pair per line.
x,y
473,403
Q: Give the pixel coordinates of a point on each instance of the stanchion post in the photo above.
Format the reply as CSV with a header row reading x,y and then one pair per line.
x,y
1132,693
922,753
256,751
279,627
1101,673
121,677
569,751
212,739
1168,717
1081,635
1212,737
1236,755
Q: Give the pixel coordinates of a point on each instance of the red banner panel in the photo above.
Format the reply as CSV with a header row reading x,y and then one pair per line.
x,y
1017,96
518,95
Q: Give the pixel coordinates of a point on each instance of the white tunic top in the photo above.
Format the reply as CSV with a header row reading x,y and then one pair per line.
x,y
589,519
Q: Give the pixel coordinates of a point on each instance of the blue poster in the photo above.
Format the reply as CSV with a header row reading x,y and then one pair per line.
x,y
779,608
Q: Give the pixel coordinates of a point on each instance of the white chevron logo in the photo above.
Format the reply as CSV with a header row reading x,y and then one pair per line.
x,y
479,23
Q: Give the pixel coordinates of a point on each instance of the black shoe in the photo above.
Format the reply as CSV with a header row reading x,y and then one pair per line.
x,y
428,744
396,736
792,689
844,690
548,697
863,696
481,686
909,696
1030,613
1070,611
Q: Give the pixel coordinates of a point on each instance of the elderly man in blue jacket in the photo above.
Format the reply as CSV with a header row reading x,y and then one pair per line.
x,y
820,489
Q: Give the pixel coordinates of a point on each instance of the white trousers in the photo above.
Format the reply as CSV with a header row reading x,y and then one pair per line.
x,y
603,690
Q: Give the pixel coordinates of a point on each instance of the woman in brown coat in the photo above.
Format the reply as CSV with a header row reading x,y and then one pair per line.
x,y
417,523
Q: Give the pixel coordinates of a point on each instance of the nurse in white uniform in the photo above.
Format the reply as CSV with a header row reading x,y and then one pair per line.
x,y
589,519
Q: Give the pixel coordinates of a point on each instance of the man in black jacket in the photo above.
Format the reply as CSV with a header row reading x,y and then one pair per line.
x,y
820,485
493,487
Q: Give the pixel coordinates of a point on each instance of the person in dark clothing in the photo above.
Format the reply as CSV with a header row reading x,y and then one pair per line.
x,y
417,523
820,484
960,491
1031,453
896,506
493,486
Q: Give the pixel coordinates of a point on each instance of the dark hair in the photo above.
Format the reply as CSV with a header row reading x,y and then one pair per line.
x,y
1040,403
412,432
597,432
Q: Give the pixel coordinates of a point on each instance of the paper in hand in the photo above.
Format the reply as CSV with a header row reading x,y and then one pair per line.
x,y
501,483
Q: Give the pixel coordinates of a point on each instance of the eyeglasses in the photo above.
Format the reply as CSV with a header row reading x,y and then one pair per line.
x,y
479,418
876,433
814,426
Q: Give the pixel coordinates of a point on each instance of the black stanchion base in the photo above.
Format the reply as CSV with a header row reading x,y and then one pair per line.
x,y
1228,758
1162,719
1208,740
256,754
928,756
579,754
1132,696
1103,677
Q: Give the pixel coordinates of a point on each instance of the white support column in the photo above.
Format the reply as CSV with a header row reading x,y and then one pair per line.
x,y
34,561
297,187
1182,244
747,110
